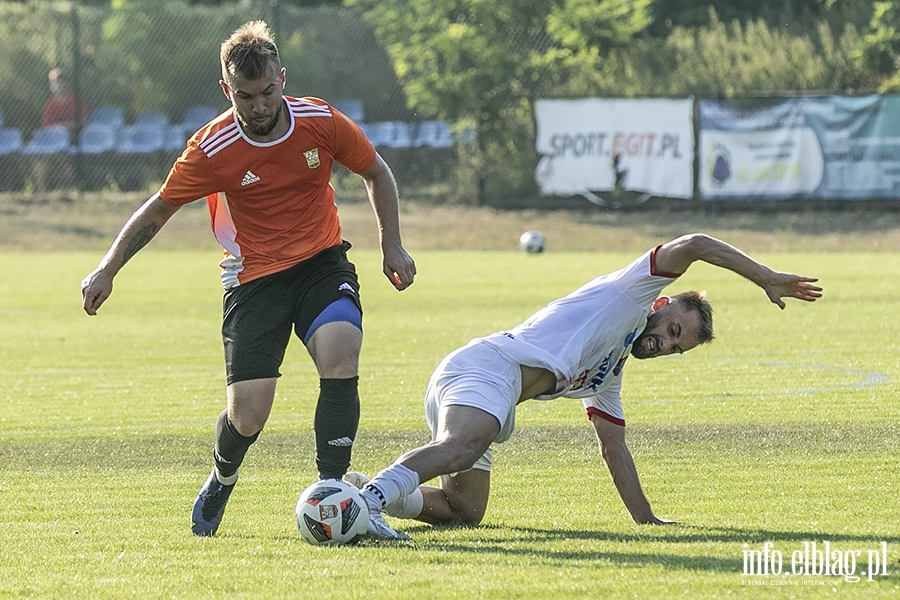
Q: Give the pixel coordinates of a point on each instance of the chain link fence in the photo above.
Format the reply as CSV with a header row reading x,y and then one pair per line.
x,y
104,99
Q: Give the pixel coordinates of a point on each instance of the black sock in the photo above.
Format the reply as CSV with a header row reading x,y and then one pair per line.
x,y
231,446
336,422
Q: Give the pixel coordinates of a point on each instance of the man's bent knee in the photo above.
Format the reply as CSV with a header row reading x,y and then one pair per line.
x,y
334,348
249,404
467,495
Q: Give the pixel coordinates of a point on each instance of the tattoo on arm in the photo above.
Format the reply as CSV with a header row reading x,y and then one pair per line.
x,y
139,240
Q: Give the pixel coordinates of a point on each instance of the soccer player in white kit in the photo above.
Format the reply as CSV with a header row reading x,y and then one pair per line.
x,y
574,347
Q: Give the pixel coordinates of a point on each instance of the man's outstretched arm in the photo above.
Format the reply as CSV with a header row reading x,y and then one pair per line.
x,y
676,256
625,476
135,234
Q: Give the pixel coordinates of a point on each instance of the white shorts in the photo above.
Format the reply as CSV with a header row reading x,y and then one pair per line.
x,y
476,375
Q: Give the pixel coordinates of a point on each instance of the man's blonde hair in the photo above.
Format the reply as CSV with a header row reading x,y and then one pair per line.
x,y
250,52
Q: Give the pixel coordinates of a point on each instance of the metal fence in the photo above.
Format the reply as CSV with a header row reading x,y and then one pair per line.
x,y
137,83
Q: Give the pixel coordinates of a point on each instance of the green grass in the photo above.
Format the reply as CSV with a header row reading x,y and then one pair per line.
x,y
784,430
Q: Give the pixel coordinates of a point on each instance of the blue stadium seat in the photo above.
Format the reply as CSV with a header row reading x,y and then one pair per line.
x,y
351,108
176,136
97,138
49,140
402,137
435,134
108,115
154,118
380,133
197,116
140,139
10,140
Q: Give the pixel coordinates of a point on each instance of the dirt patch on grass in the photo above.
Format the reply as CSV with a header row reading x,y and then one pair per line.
x,y
63,222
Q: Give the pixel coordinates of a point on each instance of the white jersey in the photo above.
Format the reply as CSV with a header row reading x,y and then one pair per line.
x,y
585,337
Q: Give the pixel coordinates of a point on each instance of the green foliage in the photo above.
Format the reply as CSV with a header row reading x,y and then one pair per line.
x,y
879,52
163,56
484,61
142,49
477,64
731,59
36,38
587,25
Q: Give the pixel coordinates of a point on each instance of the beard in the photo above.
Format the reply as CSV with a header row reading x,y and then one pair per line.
x,y
264,128
637,348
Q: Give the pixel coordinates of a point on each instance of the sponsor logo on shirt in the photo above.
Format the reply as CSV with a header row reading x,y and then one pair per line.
x,y
249,177
629,340
604,369
312,158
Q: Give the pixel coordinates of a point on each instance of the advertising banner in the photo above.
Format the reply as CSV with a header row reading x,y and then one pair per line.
x,y
831,147
596,145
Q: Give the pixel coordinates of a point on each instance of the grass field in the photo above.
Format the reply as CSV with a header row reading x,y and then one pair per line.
x,y
784,430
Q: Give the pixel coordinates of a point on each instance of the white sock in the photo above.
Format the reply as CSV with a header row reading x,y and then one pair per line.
x,y
407,507
226,480
390,485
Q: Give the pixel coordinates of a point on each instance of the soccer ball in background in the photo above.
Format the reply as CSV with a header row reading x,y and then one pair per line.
x,y
331,512
532,242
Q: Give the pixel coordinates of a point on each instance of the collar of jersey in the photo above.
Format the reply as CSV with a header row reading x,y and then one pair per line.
x,y
290,130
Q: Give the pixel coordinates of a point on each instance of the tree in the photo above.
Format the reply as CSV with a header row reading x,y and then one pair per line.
x,y
484,62
878,53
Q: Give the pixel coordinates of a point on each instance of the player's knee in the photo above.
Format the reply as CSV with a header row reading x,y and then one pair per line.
x,y
469,516
465,510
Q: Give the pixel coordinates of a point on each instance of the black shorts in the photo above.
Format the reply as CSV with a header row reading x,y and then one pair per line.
x,y
258,316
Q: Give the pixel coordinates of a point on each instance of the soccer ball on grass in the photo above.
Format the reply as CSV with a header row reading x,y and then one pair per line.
x,y
532,242
331,512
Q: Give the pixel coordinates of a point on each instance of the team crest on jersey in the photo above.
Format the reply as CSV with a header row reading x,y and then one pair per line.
x,y
312,158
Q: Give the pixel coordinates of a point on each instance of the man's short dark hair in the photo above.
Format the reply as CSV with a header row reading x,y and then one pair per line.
x,y
250,51
696,301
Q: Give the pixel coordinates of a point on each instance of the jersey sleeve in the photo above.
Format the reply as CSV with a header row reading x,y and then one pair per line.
x,y
607,404
189,178
352,148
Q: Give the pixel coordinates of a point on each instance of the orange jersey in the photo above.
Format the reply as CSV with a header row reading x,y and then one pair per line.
x,y
271,204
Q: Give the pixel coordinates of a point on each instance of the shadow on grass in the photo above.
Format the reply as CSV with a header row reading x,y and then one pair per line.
x,y
566,545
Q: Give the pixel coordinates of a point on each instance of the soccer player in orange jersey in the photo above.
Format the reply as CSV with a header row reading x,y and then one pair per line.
x,y
264,167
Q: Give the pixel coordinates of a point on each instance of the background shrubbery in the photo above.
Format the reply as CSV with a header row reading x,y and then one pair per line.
x,y
477,64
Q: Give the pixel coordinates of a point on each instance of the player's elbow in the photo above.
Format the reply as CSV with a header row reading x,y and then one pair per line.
x,y
696,245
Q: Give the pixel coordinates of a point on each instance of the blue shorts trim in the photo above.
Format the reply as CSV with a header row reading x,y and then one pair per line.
x,y
343,309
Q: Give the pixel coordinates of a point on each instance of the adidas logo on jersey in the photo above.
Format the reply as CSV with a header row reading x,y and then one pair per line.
x,y
249,178
344,441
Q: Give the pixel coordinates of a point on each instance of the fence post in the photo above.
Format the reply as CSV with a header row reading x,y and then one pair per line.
x,y
79,98
276,21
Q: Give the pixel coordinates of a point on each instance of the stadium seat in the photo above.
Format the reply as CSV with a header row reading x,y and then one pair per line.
x,y
380,133
140,139
351,108
97,138
49,140
10,140
176,136
197,116
153,118
434,134
402,136
108,115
